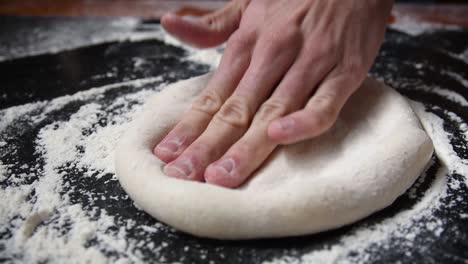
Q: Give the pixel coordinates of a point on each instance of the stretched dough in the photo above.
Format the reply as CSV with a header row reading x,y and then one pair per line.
x,y
373,154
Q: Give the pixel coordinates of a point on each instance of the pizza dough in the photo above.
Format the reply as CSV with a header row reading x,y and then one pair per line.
x,y
372,155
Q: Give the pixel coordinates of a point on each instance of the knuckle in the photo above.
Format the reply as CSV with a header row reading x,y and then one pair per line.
x,y
322,47
234,112
270,49
289,32
325,99
326,110
240,40
274,43
280,39
354,64
203,151
242,150
208,102
238,47
198,149
323,120
319,52
271,109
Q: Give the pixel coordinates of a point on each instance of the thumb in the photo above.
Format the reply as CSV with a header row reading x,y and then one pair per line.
x,y
209,30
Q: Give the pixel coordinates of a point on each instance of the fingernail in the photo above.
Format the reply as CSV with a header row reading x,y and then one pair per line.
x,y
284,124
226,165
179,168
170,145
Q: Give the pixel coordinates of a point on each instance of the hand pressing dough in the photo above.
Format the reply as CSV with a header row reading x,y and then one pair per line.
x,y
372,155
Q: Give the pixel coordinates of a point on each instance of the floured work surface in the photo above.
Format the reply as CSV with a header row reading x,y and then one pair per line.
x,y
64,201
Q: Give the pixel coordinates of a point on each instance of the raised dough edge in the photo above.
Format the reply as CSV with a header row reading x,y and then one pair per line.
x,y
195,207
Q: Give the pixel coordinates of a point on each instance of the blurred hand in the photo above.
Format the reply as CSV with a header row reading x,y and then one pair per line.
x,y
288,68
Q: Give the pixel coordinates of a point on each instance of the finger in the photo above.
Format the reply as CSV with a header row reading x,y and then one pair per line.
x,y
313,64
209,30
245,156
233,65
234,117
273,55
225,128
319,114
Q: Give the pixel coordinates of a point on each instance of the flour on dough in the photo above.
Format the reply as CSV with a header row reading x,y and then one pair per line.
x,y
372,155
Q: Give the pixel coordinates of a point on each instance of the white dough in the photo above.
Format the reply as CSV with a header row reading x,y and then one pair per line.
x,y
372,155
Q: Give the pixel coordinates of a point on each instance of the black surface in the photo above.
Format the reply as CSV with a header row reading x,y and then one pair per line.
x,y
48,76
79,69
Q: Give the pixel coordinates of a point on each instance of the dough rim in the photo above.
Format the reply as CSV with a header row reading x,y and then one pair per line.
x,y
195,207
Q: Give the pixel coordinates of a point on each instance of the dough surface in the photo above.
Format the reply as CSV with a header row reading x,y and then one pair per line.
x,y
372,155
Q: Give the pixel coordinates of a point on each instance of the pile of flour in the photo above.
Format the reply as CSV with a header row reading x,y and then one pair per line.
x,y
41,221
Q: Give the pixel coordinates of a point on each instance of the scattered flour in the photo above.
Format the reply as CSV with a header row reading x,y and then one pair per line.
x,y
59,33
57,144
211,56
444,150
3,171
